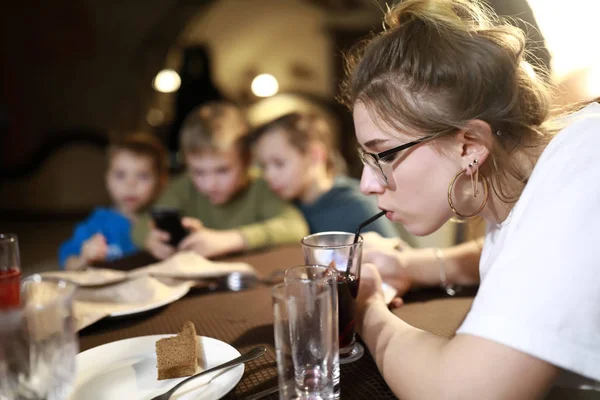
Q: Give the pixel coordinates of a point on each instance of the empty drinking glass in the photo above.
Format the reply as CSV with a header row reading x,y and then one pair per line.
x,y
328,276
38,344
303,315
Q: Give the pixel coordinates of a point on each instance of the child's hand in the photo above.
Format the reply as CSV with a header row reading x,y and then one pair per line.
x,y
212,243
191,224
94,249
157,243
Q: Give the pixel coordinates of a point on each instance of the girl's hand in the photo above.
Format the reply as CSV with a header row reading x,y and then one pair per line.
x,y
369,292
392,265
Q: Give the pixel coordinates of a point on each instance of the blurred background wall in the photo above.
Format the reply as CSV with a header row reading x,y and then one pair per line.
x,y
75,73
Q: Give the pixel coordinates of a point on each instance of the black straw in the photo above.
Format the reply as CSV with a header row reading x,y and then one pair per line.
x,y
367,222
356,236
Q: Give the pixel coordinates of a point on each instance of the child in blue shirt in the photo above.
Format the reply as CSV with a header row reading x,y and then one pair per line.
x,y
137,171
297,155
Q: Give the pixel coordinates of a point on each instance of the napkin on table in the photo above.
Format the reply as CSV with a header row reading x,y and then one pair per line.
x,y
89,276
103,292
93,304
191,265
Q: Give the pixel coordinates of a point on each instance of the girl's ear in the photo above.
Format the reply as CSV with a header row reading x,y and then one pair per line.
x,y
475,142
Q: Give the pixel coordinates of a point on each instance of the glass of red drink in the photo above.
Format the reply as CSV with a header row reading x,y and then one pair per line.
x,y
340,251
10,271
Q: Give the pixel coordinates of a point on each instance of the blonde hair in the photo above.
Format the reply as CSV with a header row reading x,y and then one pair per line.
x,y
302,129
441,63
215,127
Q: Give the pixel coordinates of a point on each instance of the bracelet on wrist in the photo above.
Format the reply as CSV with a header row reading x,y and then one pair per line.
x,y
445,284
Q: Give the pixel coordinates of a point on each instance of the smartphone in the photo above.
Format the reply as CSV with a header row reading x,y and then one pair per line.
x,y
169,220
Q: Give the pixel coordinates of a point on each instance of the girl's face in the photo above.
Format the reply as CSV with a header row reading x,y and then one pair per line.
x,y
285,168
418,178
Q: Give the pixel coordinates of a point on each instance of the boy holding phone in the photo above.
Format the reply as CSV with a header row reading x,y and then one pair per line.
x,y
225,208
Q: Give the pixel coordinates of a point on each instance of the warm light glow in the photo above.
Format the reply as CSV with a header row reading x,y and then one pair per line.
x,y
593,83
167,81
264,85
569,29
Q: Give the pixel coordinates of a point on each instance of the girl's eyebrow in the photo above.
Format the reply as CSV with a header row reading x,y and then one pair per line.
x,y
375,142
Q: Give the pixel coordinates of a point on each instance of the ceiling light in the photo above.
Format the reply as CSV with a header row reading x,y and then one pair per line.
x,y
264,85
167,81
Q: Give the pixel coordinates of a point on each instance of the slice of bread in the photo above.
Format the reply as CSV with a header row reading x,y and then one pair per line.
x,y
177,356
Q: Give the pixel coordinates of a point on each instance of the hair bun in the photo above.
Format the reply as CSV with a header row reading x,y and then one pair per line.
x,y
462,15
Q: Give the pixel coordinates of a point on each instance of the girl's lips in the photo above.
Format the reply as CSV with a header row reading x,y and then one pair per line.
x,y
390,215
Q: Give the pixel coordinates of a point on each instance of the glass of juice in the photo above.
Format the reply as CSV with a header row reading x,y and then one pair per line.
x,y
339,251
10,271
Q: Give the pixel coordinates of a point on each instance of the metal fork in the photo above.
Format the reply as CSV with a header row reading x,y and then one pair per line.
x,y
264,393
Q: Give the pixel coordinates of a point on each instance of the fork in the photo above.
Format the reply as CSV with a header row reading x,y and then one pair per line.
x,y
251,355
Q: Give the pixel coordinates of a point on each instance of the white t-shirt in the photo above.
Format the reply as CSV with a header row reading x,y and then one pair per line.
x,y
540,268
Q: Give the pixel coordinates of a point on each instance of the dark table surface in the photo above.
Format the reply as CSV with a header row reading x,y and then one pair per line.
x,y
244,319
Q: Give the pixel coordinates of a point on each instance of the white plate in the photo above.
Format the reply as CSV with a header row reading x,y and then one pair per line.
x,y
177,294
126,369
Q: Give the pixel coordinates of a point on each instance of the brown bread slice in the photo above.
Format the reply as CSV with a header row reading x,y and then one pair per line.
x,y
177,356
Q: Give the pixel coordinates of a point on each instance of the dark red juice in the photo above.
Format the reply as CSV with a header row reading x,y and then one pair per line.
x,y
10,288
347,292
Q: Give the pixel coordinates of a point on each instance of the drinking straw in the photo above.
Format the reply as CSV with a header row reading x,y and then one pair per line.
x,y
356,236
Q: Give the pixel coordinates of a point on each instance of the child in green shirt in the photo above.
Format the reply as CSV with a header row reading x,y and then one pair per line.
x,y
226,209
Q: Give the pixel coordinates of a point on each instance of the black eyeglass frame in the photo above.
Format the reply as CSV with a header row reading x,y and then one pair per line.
x,y
376,157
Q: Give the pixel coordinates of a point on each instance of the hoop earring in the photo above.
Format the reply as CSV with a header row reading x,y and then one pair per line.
x,y
474,185
475,181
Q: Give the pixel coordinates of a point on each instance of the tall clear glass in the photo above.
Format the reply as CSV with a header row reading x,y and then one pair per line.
x,y
327,276
38,343
303,315
10,271
337,250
